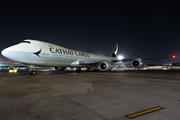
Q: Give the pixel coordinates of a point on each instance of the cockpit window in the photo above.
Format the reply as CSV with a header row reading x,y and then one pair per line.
x,y
26,42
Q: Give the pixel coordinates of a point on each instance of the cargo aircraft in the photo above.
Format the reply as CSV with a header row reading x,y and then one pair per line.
x,y
39,53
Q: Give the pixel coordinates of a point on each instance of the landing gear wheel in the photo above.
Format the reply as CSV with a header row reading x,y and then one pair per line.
x,y
87,70
78,70
33,72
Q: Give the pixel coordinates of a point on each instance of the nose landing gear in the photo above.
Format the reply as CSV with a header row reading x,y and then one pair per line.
x,y
32,70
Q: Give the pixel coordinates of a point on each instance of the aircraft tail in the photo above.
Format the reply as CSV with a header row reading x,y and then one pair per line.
x,y
115,51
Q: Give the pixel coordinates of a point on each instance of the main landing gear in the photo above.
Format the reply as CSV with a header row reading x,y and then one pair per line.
x,y
78,70
32,70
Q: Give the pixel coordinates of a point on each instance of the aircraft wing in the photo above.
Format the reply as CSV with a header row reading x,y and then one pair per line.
x,y
91,63
86,63
143,58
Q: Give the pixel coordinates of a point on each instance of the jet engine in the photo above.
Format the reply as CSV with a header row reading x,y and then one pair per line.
x,y
60,68
105,66
137,62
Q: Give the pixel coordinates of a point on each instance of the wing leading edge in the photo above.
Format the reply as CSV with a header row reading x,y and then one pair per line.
x,y
143,58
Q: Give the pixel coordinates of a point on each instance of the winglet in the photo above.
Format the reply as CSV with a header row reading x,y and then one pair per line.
x,y
115,51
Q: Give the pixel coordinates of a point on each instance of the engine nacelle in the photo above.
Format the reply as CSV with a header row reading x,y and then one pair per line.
x,y
60,68
137,63
105,66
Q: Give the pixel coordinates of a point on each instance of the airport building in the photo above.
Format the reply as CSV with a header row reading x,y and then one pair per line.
x,y
6,66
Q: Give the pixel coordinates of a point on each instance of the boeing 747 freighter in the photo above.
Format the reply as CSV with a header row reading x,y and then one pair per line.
x,y
39,53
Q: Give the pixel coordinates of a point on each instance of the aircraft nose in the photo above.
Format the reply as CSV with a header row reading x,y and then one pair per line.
x,y
5,52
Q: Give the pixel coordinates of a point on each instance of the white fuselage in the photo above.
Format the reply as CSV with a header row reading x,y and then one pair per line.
x,y
33,52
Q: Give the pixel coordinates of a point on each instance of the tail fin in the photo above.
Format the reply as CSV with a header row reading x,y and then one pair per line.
x,y
115,51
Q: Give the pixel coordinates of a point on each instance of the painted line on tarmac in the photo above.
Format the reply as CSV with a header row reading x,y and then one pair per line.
x,y
137,114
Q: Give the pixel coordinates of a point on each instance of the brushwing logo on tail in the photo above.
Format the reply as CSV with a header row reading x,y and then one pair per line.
x,y
37,53
115,51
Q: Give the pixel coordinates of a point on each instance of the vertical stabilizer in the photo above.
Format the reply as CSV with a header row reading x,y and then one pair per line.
x,y
115,51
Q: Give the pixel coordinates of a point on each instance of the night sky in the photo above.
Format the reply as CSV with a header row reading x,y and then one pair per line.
x,y
142,29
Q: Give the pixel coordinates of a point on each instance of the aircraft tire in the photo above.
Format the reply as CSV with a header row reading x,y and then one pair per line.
x,y
78,70
88,70
33,72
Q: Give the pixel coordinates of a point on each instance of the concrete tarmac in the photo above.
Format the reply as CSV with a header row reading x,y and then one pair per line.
x,y
89,95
